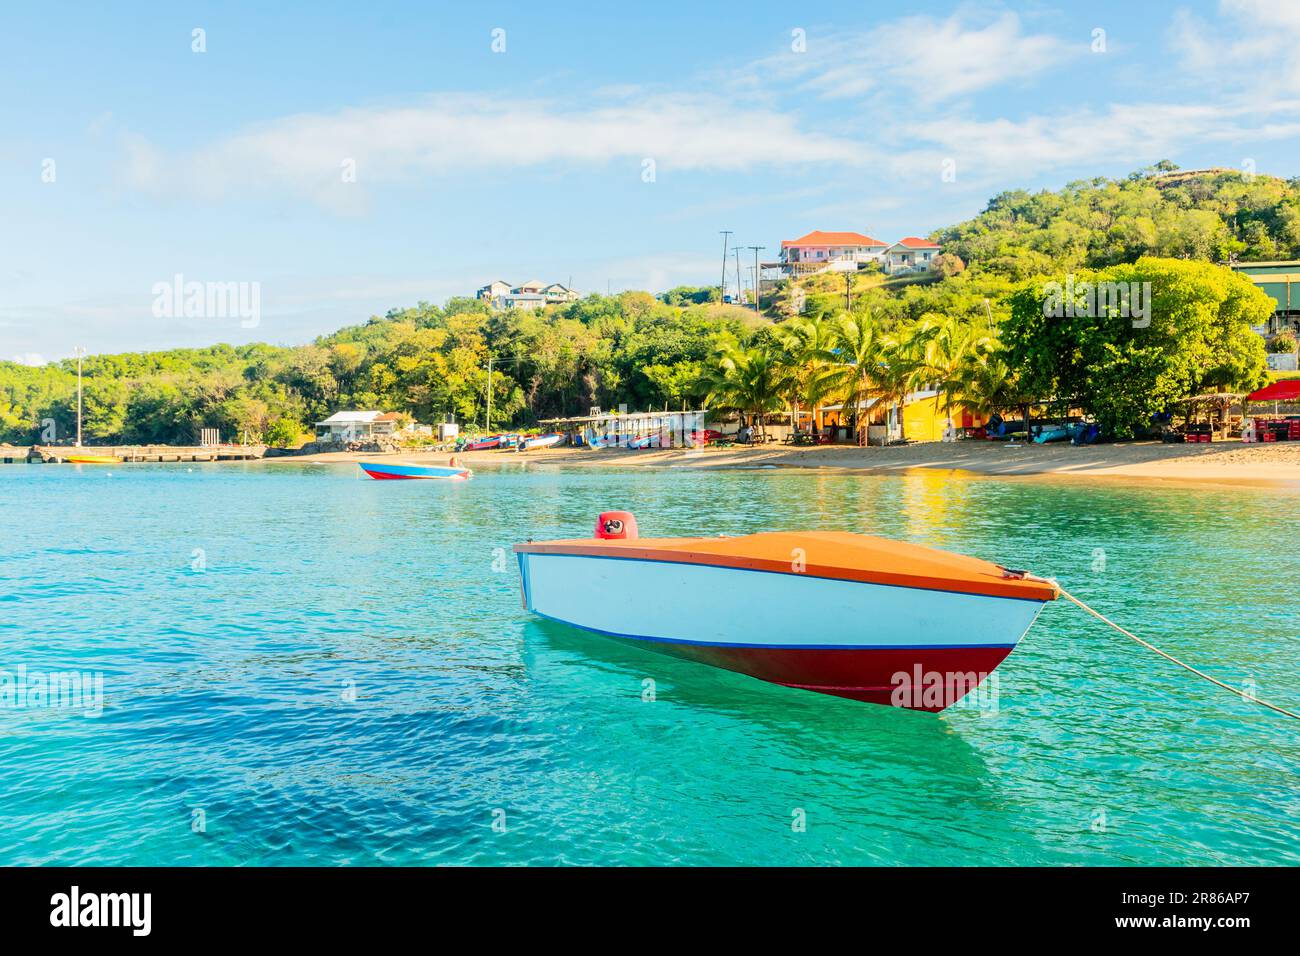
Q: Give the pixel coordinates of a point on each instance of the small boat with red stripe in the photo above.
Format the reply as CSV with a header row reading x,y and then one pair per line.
x,y
482,444
850,615
388,470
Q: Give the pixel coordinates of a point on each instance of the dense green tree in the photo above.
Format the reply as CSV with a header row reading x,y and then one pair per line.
x,y
1125,368
751,380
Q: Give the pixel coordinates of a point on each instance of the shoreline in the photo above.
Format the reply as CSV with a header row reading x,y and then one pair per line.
x,y
1221,463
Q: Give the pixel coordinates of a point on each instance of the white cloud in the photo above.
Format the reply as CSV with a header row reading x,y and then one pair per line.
x,y
909,62
1251,44
30,358
919,59
986,150
653,273
464,134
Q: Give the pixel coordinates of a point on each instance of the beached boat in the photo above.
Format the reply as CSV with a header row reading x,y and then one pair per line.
x,y
93,459
1052,433
845,614
386,470
540,441
483,444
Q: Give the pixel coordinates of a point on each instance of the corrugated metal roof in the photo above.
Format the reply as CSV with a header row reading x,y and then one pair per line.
x,y
343,418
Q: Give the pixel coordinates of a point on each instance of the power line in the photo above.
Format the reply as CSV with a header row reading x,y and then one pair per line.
x,y
757,280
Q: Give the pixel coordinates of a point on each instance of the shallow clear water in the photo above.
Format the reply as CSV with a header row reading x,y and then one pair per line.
x,y
302,666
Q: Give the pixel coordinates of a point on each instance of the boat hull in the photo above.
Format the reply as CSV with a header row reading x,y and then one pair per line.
x,y
932,679
903,646
384,471
543,441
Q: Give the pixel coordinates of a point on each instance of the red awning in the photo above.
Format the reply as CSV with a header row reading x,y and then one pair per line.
x,y
1287,390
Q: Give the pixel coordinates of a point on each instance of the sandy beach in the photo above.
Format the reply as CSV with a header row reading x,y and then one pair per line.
x,y
1232,463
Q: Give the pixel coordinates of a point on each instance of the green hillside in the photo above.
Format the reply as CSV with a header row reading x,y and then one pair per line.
x,y
646,351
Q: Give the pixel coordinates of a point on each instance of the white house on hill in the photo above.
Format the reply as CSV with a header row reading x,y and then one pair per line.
x,y
529,295
910,255
820,251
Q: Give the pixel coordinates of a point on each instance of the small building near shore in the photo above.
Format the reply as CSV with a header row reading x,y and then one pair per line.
x,y
343,427
921,417
626,429
1280,281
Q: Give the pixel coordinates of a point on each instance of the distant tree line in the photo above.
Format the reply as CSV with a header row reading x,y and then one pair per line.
x,y
977,329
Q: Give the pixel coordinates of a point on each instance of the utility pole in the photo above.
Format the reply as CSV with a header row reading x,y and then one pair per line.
x,y
757,279
79,352
740,286
848,294
488,429
722,289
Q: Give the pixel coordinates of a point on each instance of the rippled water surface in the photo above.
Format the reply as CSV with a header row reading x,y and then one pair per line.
x,y
302,666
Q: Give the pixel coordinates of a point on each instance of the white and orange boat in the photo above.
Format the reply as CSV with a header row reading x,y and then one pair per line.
x,y
845,614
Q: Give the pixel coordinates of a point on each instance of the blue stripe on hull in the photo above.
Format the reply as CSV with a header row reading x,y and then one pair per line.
x,y
779,647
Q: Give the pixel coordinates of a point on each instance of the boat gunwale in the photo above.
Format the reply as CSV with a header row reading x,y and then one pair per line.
x,y
1009,588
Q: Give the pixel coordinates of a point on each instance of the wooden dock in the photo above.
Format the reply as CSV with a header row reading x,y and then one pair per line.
x,y
57,454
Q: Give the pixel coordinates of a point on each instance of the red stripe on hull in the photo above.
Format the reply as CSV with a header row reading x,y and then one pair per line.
x,y
932,678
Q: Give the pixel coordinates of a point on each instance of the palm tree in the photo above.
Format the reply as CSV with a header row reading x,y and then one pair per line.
x,y
809,354
750,380
991,385
945,353
862,368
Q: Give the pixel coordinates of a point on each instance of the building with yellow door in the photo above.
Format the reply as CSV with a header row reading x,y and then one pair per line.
x,y
923,418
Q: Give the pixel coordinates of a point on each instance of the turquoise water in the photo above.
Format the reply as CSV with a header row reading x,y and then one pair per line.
x,y
303,667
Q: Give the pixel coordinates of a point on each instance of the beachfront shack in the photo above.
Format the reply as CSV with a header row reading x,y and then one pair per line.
x,y
921,416
624,429
1283,424
348,426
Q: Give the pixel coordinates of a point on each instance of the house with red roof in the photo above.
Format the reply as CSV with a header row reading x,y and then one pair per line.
x,y
818,250
910,255
821,251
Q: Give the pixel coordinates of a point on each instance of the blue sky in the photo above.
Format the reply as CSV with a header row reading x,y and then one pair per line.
x,y
228,165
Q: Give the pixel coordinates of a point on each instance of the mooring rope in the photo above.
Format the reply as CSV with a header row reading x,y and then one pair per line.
x,y
1129,634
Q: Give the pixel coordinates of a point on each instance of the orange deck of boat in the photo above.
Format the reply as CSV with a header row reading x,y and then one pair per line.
x,y
822,554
